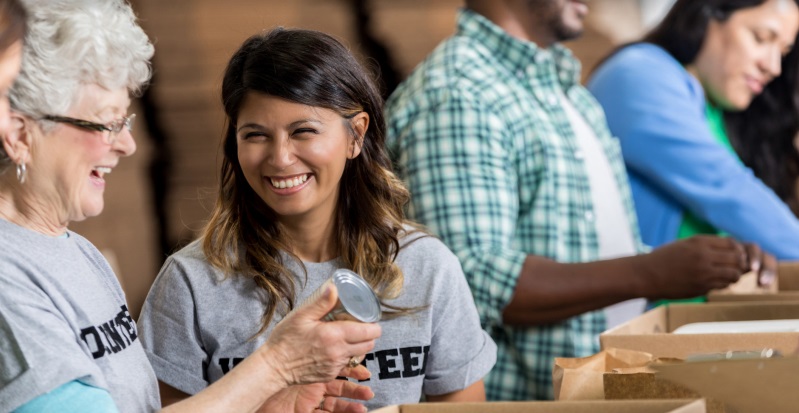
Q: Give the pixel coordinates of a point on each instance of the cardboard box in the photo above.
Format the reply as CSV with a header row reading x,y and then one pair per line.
x,y
748,386
648,385
650,332
599,406
786,288
618,374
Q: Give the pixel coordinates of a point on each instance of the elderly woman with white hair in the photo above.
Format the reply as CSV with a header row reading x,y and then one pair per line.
x,y
67,340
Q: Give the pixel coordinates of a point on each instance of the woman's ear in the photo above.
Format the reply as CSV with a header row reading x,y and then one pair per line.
x,y
17,141
360,124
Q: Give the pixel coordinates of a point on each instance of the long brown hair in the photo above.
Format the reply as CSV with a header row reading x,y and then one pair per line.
x,y
244,235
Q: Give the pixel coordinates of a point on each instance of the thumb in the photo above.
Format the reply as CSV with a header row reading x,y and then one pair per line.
x,y
320,303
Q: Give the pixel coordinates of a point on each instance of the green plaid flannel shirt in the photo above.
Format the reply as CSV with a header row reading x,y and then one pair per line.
x,y
493,167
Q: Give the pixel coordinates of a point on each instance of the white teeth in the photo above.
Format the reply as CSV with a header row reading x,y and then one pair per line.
x,y
289,183
100,171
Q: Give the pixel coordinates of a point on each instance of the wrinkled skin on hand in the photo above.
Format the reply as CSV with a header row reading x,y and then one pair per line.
x,y
691,267
303,350
305,398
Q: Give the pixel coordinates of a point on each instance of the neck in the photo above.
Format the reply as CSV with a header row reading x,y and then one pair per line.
x,y
21,208
312,239
516,23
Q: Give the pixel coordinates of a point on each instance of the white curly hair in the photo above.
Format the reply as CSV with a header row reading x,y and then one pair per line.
x,y
70,43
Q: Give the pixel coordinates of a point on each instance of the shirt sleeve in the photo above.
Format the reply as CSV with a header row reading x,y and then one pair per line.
x,y
169,331
456,162
659,118
461,353
38,350
72,397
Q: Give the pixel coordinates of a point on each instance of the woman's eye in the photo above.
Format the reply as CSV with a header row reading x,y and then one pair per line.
x,y
306,131
251,135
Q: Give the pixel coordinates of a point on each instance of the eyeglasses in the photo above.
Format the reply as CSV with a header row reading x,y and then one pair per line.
x,y
110,130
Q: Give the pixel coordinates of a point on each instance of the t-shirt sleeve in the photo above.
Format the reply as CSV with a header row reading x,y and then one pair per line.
x,y
461,353
170,333
73,397
38,350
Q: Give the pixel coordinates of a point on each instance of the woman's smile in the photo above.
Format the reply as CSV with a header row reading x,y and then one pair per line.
x,y
288,185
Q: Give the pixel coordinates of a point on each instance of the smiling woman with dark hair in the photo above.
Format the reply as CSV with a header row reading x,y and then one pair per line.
x,y
666,99
306,188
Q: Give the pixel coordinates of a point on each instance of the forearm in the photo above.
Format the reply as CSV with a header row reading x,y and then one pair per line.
x,y
548,291
243,389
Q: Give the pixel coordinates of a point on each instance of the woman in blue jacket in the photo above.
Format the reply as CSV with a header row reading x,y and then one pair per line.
x,y
666,98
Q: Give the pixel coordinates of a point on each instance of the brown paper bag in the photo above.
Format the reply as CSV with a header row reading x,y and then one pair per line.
x,y
581,378
747,284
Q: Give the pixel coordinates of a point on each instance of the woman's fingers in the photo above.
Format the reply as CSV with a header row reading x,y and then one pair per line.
x,y
317,307
768,271
754,257
337,405
348,389
335,390
358,373
356,332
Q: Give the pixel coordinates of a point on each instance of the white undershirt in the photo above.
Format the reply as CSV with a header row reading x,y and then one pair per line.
x,y
609,216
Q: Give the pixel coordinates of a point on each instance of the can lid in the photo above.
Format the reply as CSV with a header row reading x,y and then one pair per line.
x,y
356,296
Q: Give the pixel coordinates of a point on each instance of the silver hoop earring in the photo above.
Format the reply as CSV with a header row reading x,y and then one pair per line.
x,y
22,171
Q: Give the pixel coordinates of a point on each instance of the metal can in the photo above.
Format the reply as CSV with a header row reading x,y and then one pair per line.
x,y
356,299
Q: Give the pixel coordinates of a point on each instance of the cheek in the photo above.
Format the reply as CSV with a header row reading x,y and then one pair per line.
x,y
5,119
330,153
249,158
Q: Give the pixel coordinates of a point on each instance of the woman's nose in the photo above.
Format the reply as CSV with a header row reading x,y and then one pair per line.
x,y
125,143
281,154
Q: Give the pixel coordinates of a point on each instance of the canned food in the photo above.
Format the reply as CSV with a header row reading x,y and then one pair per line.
x,y
356,299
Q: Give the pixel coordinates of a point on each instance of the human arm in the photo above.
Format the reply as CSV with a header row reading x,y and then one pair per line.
x,y
683,269
459,164
70,397
659,118
302,398
301,350
39,351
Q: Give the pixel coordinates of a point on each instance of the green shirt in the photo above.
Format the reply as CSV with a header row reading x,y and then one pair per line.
x,y
691,224
494,169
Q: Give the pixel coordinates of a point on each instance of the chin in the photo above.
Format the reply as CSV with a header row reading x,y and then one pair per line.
x,y
738,105
91,210
568,32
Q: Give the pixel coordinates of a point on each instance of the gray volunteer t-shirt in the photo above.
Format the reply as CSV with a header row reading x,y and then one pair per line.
x,y
63,317
196,325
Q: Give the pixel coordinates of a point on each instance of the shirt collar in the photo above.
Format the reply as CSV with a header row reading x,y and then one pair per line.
x,y
518,54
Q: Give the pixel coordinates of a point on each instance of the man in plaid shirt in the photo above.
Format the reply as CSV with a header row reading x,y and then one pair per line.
x,y
509,160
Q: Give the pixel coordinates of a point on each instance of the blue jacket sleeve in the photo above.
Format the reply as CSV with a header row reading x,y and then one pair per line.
x,y
657,110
